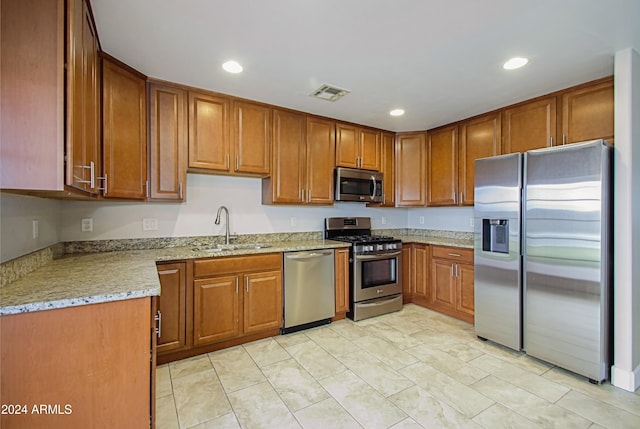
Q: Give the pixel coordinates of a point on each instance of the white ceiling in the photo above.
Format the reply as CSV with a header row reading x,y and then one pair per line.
x,y
439,60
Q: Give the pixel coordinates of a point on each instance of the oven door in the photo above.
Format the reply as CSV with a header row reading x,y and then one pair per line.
x,y
375,276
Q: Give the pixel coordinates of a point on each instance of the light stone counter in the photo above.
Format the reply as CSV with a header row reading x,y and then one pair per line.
x,y
87,278
439,241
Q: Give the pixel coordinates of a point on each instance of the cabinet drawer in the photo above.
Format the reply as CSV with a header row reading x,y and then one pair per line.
x,y
453,253
237,264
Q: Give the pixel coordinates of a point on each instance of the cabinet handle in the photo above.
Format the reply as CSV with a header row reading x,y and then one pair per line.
x,y
461,198
92,175
456,270
455,254
147,188
564,139
452,270
551,138
246,282
104,188
158,319
180,190
303,200
236,285
228,167
236,163
453,194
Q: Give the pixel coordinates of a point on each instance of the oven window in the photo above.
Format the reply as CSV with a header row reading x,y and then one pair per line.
x,y
378,273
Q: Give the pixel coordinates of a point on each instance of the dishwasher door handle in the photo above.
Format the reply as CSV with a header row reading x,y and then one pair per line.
x,y
311,255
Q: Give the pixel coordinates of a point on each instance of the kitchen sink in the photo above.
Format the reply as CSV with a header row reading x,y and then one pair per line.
x,y
224,247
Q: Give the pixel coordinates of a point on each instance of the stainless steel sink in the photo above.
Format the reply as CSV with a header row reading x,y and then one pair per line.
x,y
224,247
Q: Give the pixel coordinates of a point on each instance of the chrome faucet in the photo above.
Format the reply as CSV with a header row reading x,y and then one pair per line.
x,y
217,222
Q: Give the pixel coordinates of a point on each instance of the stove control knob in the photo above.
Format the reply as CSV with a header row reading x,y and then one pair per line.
x,y
379,246
391,246
370,248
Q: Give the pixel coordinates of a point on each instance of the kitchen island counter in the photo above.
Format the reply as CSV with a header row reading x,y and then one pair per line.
x,y
89,278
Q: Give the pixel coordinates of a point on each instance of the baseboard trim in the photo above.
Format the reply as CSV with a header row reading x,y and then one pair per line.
x,y
627,380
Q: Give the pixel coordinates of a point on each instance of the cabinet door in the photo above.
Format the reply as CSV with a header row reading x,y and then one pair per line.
x,y
124,131
209,132
442,169
388,169
83,100
167,142
421,267
215,309
171,308
587,113
321,156
370,152
443,287
262,301
287,182
479,138
347,146
251,138
407,274
411,167
341,260
465,297
529,126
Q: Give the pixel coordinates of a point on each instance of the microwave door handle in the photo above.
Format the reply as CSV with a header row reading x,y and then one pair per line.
x,y
375,185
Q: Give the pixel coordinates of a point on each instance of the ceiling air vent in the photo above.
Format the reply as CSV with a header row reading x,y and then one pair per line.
x,y
329,93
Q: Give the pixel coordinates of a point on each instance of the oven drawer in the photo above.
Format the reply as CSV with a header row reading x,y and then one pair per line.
x,y
376,307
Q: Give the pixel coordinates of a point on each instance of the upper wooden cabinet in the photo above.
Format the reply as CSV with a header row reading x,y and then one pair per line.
x,y
442,167
587,113
228,136
411,167
302,162
357,147
83,100
209,147
33,110
124,131
167,142
388,169
529,126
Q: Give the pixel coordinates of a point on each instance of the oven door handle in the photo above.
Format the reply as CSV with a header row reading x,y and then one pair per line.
x,y
378,256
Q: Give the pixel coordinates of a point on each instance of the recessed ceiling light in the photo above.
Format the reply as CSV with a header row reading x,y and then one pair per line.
x,y
515,63
397,112
232,67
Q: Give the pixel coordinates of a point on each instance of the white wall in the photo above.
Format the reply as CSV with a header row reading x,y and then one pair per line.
x,y
17,213
626,368
205,194
447,218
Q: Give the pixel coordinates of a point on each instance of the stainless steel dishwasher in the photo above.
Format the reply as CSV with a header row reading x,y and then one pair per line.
x,y
309,289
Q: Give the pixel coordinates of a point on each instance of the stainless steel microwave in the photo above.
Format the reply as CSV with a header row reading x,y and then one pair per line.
x,y
358,185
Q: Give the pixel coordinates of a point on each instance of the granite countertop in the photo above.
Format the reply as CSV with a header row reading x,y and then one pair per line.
x,y
440,241
87,278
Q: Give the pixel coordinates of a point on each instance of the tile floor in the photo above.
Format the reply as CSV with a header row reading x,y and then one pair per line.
x,y
410,369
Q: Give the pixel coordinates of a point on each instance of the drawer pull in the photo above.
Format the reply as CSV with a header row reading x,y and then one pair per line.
x,y
455,254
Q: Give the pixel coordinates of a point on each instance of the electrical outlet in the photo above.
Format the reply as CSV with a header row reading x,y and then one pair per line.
x,y
294,221
383,221
421,220
87,224
150,224
34,228
471,222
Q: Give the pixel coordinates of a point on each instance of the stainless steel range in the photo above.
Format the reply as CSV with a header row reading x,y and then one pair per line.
x,y
375,280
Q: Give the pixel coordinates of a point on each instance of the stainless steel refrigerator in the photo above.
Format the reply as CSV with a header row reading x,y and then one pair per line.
x,y
543,247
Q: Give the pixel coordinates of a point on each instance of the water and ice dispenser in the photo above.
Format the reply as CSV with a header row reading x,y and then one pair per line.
x,y
495,235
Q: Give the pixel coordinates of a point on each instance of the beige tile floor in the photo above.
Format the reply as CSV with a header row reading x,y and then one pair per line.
x,y
410,369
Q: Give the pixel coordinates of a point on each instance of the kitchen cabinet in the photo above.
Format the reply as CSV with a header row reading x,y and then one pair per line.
x,y
452,282
209,147
83,99
93,362
357,147
228,136
531,125
388,169
235,297
124,131
411,167
302,161
420,261
442,166
587,113
407,273
167,142
341,266
171,312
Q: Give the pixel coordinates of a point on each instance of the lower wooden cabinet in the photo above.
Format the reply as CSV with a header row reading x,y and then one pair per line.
x,y
452,282
407,273
209,304
420,262
341,267
171,311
